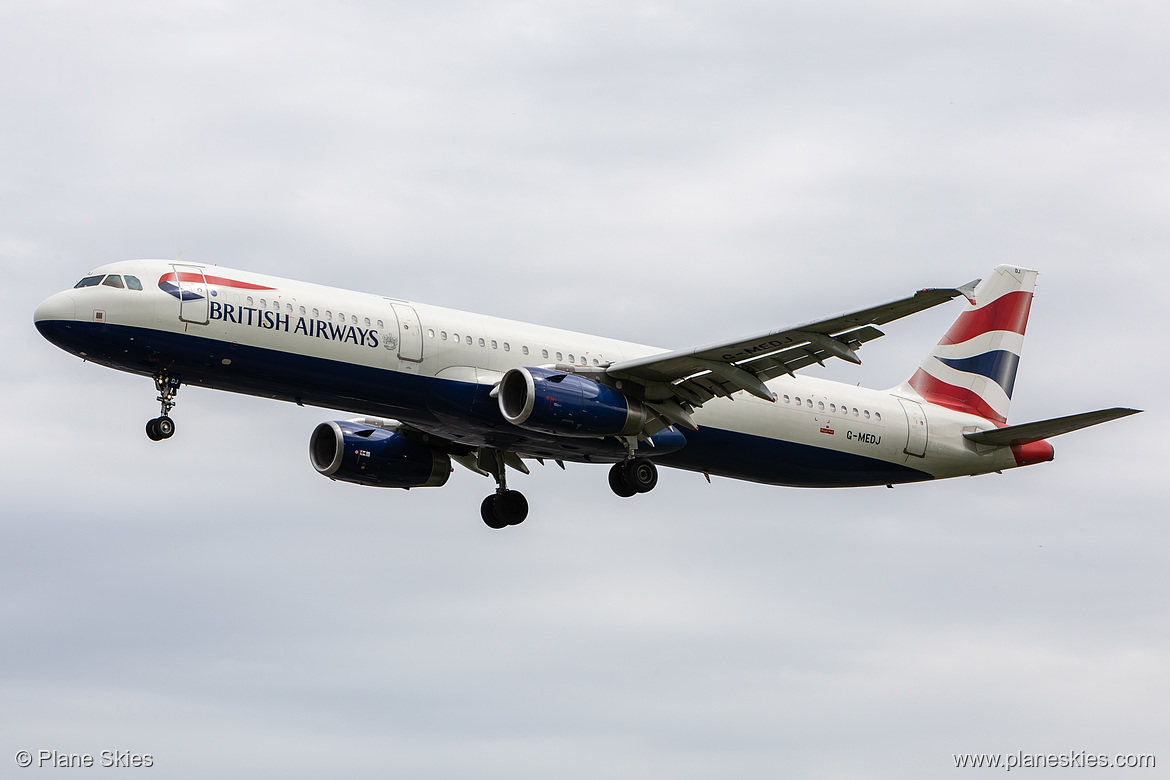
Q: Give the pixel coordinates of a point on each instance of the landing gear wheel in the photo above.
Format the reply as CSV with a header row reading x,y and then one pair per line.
x,y
641,474
512,507
487,510
617,481
165,427
508,507
160,428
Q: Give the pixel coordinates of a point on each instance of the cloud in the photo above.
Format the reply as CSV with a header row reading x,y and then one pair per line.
x,y
664,173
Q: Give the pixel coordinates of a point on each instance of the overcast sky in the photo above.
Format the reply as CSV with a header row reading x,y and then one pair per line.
x,y
670,173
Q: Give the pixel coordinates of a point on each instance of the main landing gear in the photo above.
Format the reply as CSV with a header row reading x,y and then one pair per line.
x,y
163,427
637,475
504,507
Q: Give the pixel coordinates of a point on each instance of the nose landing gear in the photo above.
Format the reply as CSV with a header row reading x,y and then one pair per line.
x,y
163,427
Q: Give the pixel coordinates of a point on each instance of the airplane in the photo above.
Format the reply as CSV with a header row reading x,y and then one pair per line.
x,y
435,386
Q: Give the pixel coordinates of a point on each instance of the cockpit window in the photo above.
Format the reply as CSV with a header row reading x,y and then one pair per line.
x,y
89,281
133,283
113,280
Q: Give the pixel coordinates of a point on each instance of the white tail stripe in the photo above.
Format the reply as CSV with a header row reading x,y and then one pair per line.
x,y
986,342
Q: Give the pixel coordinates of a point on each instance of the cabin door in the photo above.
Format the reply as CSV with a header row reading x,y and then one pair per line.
x,y
192,289
916,423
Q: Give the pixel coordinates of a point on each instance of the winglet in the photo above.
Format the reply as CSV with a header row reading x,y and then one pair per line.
x,y
968,290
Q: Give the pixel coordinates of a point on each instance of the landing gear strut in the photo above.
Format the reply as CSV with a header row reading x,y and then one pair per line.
x,y
163,427
638,475
504,507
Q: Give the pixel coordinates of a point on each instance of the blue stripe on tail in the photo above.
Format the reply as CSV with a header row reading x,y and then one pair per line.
x,y
999,366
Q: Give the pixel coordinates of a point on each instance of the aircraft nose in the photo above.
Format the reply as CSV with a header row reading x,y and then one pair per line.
x,y
56,307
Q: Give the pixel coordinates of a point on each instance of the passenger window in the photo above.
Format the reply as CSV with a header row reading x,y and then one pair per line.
x,y
302,311
544,354
787,400
353,318
443,335
494,344
89,281
506,347
524,350
469,341
455,337
855,411
570,357
263,303
316,312
481,343
133,283
430,331
808,402
249,300
595,362
798,401
113,280
867,414
380,325
877,416
833,408
821,405
288,308
559,356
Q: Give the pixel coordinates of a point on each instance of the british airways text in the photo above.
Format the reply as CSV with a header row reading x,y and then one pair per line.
x,y
273,320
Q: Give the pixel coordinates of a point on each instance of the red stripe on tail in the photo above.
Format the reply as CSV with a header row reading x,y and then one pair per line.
x,y
960,399
1008,312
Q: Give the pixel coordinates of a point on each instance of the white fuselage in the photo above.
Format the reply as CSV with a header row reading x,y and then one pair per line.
x,y
280,338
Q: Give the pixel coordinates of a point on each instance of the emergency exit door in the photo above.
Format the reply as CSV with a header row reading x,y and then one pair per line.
x,y
410,337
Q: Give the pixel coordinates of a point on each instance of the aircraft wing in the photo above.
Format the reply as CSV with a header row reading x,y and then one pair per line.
x,y
691,377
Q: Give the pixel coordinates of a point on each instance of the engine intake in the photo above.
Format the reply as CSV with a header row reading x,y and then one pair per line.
x,y
365,455
539,399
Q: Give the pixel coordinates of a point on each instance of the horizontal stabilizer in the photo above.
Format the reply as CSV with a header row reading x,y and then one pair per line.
x,y
1045,429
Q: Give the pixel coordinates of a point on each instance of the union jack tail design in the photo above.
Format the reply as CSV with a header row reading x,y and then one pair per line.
x,y
973,368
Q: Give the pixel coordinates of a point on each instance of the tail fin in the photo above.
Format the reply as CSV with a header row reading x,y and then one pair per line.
x,y
973,368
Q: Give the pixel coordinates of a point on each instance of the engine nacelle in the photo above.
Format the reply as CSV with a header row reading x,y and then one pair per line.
x,y
365,455
539,399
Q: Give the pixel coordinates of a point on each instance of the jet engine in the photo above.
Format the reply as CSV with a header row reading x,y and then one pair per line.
x,y
367,455
539,399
